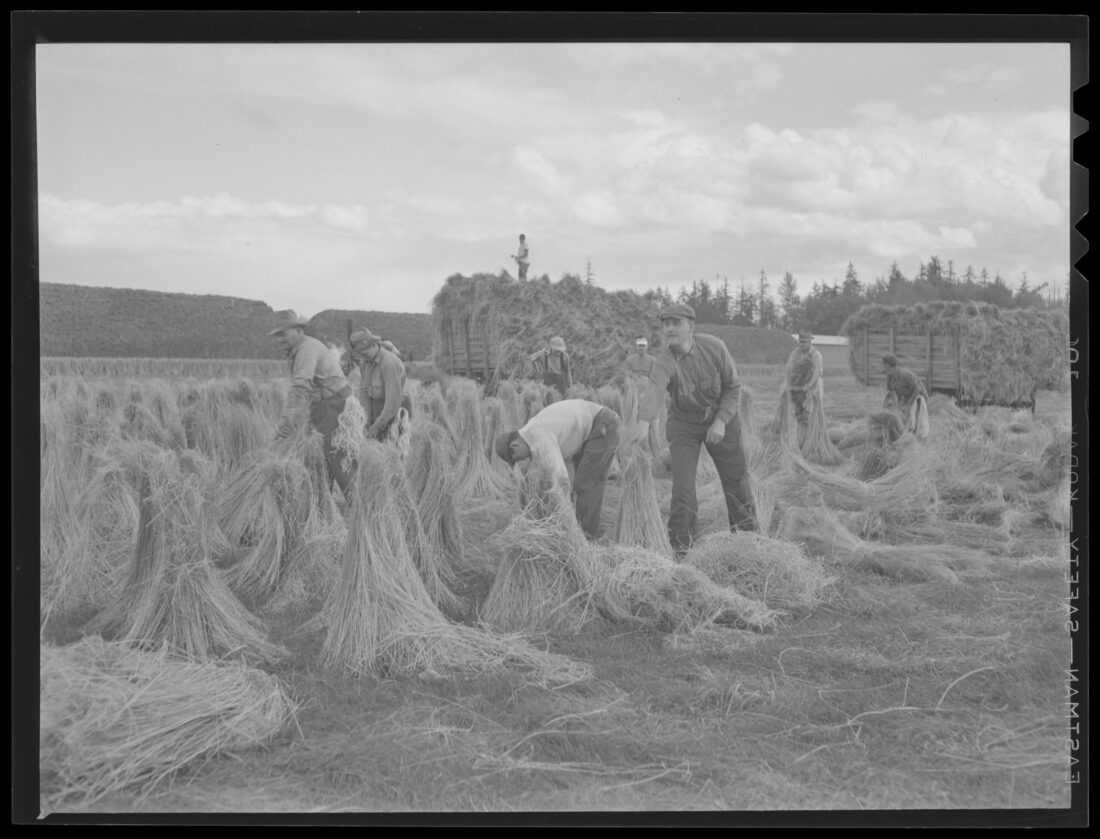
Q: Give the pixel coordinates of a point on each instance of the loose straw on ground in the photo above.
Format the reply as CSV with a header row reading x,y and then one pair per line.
x,y
117,719
774,571
640,587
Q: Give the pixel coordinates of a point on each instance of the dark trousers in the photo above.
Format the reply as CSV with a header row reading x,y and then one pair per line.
x,y
685,437
325,416
590,467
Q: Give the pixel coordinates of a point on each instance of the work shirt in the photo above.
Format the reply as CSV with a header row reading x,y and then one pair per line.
x,y
702,382
381,381
905,385
314,375
556,434
794,359
640,365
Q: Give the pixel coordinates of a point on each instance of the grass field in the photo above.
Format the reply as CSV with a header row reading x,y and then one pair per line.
x,y
889,695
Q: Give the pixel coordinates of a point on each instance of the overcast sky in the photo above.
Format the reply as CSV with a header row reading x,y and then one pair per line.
x,y
360,176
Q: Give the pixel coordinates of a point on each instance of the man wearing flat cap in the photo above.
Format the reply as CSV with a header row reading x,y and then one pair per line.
x,y
574,441
552,365
802,378
381,382
316,382
699,375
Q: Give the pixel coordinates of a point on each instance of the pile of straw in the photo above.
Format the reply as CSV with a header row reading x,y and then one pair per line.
x,y
545,567
480,479
381,620
642,587
639,522
816,446
174,595
773,571
909,485
117,719
879,429
821,531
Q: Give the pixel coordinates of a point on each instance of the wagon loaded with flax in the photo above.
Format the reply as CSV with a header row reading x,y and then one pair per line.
x,y
975,353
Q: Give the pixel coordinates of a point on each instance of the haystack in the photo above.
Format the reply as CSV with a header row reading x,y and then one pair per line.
x,y
773,571
381,620
641,587
116,719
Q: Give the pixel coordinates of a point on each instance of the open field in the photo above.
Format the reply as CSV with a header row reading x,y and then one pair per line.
x,y
885,694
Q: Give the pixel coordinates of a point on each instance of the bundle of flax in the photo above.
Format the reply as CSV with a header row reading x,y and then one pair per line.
x,y
641,587
174,595
816,445
879,429
821,531
268,509
907,486
545,567
639,522
778,438
480,478
773,571
116,719
426,497
381,620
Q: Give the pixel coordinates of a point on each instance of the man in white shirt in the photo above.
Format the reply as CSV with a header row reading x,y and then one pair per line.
x,y
520,256
575,441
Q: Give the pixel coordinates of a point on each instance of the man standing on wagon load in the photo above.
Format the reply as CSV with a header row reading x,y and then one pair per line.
x,y
381,383
698,373
802,378
316,381
552,365
520,256
906,392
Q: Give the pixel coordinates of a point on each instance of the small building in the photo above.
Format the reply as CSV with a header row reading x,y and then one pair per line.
x,y
834,352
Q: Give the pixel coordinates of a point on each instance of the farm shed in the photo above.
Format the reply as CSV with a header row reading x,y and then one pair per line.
x,y
834,351
976,352
486,326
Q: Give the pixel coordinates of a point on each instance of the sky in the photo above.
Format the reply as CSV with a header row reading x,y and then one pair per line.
x,y
361,176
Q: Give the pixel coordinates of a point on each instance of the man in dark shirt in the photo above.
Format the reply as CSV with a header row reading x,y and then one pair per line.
x,y
700,377
903,388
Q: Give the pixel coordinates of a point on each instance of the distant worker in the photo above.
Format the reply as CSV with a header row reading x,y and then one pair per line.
x,y
553,366
381,383
520,256
906,392
574,441
316,381
640,363
802,378
696,370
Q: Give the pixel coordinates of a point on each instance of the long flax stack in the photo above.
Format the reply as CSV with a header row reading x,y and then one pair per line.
x,y
480,478
641,587
117,719
495,422
816,445
546,568
639,522
381,620
174,595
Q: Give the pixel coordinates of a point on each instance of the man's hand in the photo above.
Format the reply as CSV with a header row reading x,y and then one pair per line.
x,y
716,432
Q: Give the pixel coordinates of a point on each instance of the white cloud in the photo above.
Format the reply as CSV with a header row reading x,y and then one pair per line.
x,y
985,74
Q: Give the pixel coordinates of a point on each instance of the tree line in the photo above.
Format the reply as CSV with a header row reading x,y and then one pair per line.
x,y
825,308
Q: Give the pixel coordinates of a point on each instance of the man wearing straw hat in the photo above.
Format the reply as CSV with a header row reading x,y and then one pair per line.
x,y
381,383
316,381
700,377
574,440
802,378
906,392
552,365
